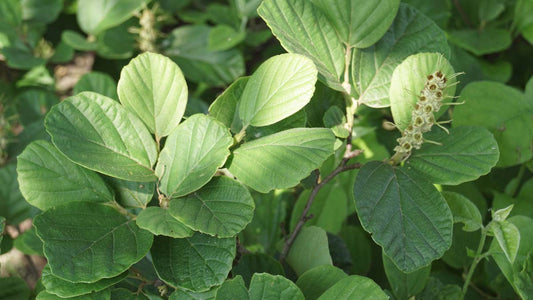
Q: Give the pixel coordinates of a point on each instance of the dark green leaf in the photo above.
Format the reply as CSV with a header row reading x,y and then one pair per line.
x,y
29,243
13,288
13,207
481,42
252,263
464,211
159,222
300,258
233,289
97,82
269,287
317,280
405,285
354,287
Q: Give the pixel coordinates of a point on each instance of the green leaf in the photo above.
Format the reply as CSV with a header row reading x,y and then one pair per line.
x,y
490,10
505,112
303,28
125,294
233,289
48,179
355,287
221,208
97,82
66,289
14,288
11,12
196,263
224,108
405,285
2,227
517,272
409,79
95,16
466,153
101,295
371,68
481,42
462,242
407,216
464,211
86,242
300,258
251,263
508,237
41,11
118,42
317,280
328,209
224,37
192,155
78,41
281,160
29,243
187,46
21,58
359,24
523,19
97,133
132,193
335,119
501,215
359,245
438,11
286,80
159,222
33,104
153,87
273,287
182,294
12,204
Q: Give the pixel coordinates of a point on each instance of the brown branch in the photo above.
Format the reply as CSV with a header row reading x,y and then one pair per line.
x,y
304,217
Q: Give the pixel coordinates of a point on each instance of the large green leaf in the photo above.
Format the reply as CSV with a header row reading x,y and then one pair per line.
x,y
300,258
182,294
225,106
192,155
407,216
41,11
273,287
196,263
66,289
519,273
97,133
405,285
316,281
505,112
359,24
95,16
303,28
221,208
12,204
86,242
372,68
132,193
101,295
523,18
47,178
508,237
281,160
97,82
280,87
153,87
159,221
233,289
466,153
464,211
481,42
409,80
187,46
14,288
354,287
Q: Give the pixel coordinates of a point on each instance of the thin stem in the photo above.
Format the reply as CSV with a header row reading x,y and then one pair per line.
x,y
343,166
477,259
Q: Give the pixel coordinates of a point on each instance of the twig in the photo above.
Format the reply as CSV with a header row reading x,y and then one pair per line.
x,y
304,217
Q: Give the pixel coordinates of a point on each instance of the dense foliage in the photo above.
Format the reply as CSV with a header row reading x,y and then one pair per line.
x,y
267,149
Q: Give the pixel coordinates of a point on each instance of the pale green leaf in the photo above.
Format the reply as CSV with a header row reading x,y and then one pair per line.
x,y
95,16
97,82
273,287
132,193
221,208
153,87
505,112
404,212
97,133
304,29
192,155
196,263
501,215
281,160
280,87
86,242
223,37
466,153
464,211
317,280
371,68
355,287
300,258
28,242
159,222
225,106
41,11
48,179
409,79
66,289
359,24
508,237
78,41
